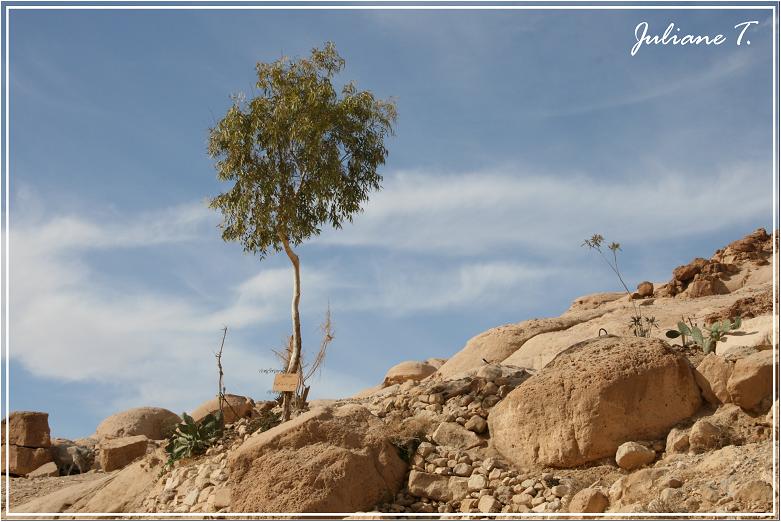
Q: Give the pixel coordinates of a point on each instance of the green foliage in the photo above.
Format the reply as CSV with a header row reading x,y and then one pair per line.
x,y
300,155
708,339
193,438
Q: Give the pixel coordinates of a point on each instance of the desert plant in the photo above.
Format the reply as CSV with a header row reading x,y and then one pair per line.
x,y
712,335
193,438
640,326
301,155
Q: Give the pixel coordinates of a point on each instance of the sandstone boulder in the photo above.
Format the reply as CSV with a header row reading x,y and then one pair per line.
x,y
645,289
333,459
437,487
751,381
235,408
592,398
704,436
408,371
23,460
27,428
118,453
152,423
631,455
712,375
497,344
706,285
686,273
588,500
454,435
47,470
677,441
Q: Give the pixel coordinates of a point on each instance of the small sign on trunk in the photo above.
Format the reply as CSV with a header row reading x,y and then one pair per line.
x,y
286,382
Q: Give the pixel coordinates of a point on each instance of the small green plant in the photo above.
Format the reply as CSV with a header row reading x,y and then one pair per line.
x,y
642,326
639,325
193,438
712,335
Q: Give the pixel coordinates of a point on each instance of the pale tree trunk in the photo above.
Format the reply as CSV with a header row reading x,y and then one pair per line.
x,y
295,357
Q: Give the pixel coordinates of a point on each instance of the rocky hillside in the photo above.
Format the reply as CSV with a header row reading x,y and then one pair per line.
x,y
571,414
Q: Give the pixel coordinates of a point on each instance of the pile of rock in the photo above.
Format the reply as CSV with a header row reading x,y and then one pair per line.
x,y
197,485
28,444
444,479
703,277
466,401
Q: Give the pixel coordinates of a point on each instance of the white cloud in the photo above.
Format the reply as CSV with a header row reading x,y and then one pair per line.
x,y
70,320
433,289
482,213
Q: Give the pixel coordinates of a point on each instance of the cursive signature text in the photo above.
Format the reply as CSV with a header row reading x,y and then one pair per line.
x,y
672,36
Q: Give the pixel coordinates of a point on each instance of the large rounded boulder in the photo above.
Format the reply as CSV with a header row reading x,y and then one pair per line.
x,y
234,407
331,459
593,397
153,423
408,371
497,344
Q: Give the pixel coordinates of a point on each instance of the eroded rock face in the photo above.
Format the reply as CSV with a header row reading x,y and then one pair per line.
x,y
152,423
236,407
592,398
27,428
333,459
408,371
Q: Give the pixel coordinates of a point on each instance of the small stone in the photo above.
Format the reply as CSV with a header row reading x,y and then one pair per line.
x,y
523,498
191,498
673,482
476,424
468,504
677,441
488,504
632,455
704,436
588,500
540,508
425,449
462,470
477,483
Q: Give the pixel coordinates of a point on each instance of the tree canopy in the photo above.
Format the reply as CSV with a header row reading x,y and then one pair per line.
x,y
300,154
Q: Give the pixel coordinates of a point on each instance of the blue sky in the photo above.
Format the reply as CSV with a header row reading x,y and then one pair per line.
x,y
519,134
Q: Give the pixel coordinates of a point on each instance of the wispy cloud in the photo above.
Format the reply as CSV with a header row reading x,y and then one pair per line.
x,y
489,212
71,319
731,65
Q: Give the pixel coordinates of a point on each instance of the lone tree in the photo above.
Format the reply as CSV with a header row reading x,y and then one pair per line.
x,y
300,156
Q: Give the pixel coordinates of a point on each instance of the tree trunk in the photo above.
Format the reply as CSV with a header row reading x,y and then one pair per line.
x,y
295,357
